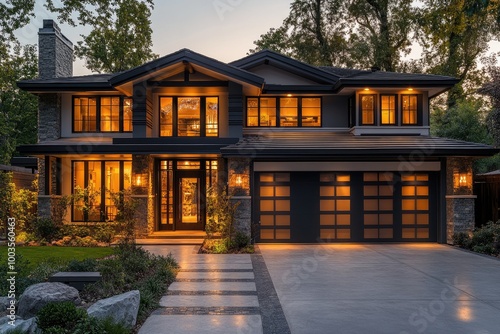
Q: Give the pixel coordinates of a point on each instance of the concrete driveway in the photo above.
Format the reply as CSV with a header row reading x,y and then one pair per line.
x,y
403,288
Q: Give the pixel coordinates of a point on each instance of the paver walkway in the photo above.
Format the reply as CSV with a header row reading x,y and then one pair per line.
x,y
217,294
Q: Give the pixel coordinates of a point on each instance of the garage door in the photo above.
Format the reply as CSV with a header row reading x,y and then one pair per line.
x,y
346,207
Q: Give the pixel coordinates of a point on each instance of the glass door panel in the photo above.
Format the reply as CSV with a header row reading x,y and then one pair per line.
x,y
190,200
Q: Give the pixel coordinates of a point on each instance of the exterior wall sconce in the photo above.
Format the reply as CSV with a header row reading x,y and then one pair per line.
x,y
140,180
462,179
239,181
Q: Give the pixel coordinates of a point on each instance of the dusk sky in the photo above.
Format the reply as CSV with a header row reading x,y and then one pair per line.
x,y
222,29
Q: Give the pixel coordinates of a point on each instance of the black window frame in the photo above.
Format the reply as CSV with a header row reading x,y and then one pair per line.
x,y
102,195
375,110
278,111
396,110
98,113
203,115
419,110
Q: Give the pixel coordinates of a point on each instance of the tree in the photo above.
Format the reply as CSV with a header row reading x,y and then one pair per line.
x,y
455,34
353,33
313,32
14,17
492,90
380,32
18,109
121,32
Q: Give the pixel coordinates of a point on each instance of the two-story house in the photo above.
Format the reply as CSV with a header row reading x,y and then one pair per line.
x,y
311,153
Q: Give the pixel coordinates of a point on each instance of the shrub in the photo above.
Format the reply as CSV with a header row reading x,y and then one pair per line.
x,y
83,265
59,316
461,239
89,325
241,240
46,229
105,233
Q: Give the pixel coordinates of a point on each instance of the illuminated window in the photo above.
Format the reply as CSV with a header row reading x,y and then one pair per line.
x,y
388,109
409,109
189,116
102,114
94,183
84,114
291,111
368,109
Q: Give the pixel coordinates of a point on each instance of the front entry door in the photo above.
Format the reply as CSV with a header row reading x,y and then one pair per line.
x,y
190,200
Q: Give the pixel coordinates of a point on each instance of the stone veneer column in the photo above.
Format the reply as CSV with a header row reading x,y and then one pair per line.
x,y
55,59
239,192
142,193
459,199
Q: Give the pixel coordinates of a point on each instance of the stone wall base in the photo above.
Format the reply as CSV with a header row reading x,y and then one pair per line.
x,y
243,215
460,216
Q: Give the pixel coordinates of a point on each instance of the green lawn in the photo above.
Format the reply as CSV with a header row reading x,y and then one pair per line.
x,y
35,255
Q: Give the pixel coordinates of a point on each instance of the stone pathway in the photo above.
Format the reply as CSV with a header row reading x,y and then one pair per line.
x,y
219,294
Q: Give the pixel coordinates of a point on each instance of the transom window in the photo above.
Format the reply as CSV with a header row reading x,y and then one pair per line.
x,y
189,116
284,111
94,183
102,114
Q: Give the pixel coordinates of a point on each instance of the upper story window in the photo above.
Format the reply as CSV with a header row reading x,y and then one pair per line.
x,y
189,116
102,114
284,111
409,109
368,109
390,109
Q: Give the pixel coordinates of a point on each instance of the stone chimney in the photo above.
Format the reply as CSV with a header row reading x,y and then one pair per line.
x,y
55,52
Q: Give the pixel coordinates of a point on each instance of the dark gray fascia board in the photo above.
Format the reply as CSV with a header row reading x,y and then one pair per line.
x,y
361,153
64,87
286,63
189,56
313,89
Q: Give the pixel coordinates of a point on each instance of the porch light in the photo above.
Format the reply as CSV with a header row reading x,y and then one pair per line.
x,y
239,181
462,179
367,88
140,180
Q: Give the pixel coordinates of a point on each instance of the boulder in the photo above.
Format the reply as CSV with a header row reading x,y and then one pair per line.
x,y
4,303
37,296
24,326
122,308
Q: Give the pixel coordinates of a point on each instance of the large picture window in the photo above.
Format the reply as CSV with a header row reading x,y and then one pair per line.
x,y
284,111
102,114
189,116
94,183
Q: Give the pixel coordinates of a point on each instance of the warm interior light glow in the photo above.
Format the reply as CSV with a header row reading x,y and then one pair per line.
x,y
462,180
367,88
410,89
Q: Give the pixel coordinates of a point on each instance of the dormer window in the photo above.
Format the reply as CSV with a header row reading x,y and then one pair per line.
x,y
284,111
102,114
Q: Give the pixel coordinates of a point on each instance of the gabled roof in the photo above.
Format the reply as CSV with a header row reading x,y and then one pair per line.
x,y
186,55
291,65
